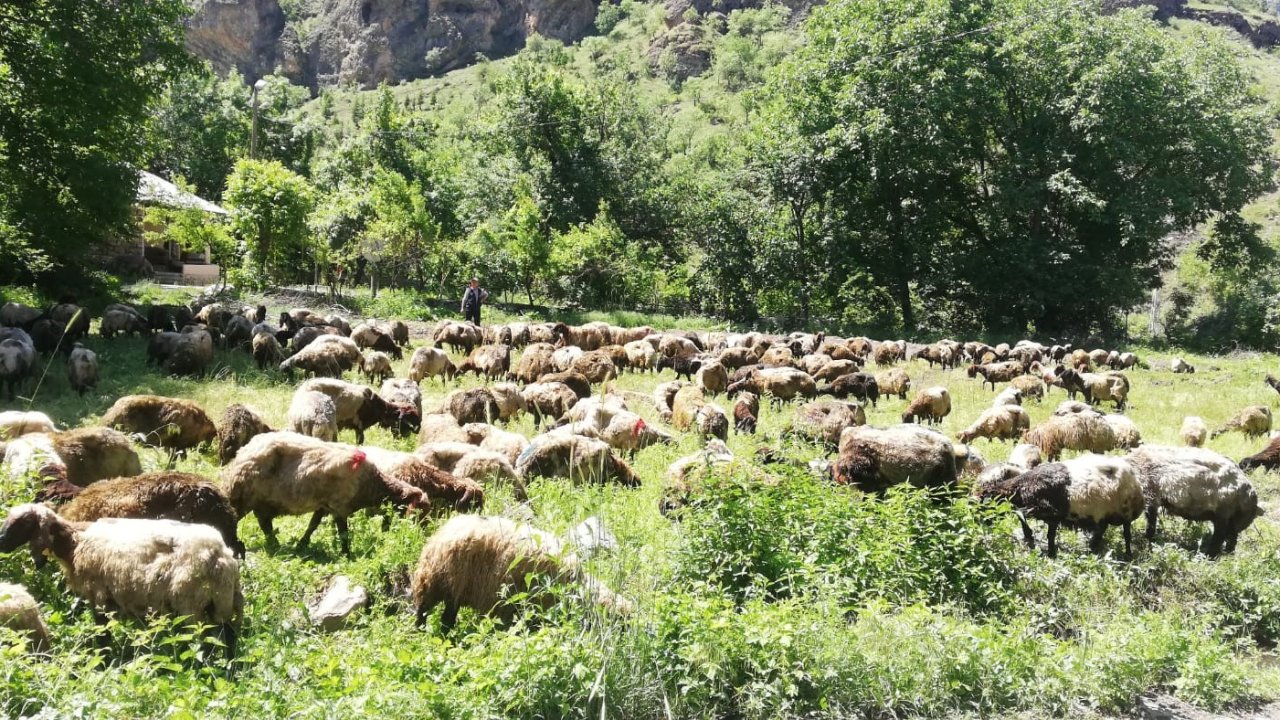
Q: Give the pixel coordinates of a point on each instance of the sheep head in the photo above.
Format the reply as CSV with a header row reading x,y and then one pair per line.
x,y
40,527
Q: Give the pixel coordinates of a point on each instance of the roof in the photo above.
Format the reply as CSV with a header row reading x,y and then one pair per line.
x,y
155,190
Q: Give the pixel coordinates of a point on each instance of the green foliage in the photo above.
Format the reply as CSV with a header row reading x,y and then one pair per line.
x,y
201,126
269,208
193,230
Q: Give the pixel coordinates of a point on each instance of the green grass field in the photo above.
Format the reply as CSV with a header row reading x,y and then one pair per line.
x,y
801,599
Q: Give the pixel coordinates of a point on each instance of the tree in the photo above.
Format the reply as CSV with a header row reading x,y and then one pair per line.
x,y
200,128
269,208
193,230
78,81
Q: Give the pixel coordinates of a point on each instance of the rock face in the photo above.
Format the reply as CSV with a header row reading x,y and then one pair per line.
x,y
366,42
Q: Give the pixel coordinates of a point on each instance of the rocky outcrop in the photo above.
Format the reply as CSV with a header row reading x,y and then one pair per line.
x,y
366,42
1260,32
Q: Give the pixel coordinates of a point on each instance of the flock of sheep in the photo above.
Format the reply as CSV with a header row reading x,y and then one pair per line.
x,y
166,542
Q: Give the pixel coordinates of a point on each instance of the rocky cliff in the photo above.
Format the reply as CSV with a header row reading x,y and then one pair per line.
x,y
366,42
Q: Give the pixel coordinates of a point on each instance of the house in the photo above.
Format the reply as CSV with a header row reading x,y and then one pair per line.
x,y
171,263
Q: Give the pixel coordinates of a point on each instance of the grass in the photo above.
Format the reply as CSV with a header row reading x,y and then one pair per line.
x,y
800,600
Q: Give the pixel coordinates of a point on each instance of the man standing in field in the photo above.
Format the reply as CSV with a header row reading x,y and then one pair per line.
x,y
471,300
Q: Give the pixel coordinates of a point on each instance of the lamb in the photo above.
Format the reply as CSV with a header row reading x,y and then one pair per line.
x,y
116,321
239,424
428,362
894,381
1180,366
1198,485
1194,431
490,361
1125,431
1078,431
17,359
782,384
997,372
314,414
177,496
476,405
685,366
366,336
20,612
862,386
574,457
535,361
1030,386
874,459
358,407
376,364
1008,396
398,391
745,412
824,420
930,405
16,423
690,410
326,356
476,562
171,423
712,377
1091,491
548,400
1002,422
137,567
284,473
1253,421
458,336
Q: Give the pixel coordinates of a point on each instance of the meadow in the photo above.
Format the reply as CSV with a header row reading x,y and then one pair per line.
x,y
796,600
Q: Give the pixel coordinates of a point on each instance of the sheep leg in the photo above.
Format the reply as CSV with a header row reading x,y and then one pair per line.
x,y
359,435
449,617
1214,547
1096,542
1052,548
1128,539
1152,511
316,517
264,522
1027,536
344,534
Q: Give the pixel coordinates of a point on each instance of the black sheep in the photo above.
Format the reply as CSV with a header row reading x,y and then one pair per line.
x,y
862,386
683,366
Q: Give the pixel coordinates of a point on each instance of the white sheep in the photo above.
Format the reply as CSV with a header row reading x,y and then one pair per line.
x,y
16,423
1197,484
1194,431
313,413
1002,422
1008,396
20,612
376,364
1125,431
429,362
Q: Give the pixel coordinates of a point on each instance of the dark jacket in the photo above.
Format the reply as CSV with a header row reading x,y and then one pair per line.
x,y
472,298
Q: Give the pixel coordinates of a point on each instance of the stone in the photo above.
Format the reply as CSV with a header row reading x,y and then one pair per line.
x,y
331,609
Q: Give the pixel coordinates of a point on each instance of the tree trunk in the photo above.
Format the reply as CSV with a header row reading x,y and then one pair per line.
x,y
373,281
903,293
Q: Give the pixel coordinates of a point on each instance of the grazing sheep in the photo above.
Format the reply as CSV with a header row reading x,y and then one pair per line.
x,y
239,424
368,337
1097,387
576,381
1197,485
399,391
888,353
1253,421
266,350
1025,456
930,405
314,414
441,488
358,407
1194,431
894,381
680,480
862,386
575,457
641,356
137,567
326,356
73,317
510,400
664,396
476,405
192,351
595,365
622,429
1008,396
158,496
17,359
685,366
1002,422
824,420
1268,458
14,314
1091,491
459,336
428,362
507,444
548,400
1030,386
1072,407
690,410
832,371
490,361
712,377
82,369
477,562
874,459
20,612
1086,431
170,423
535,361
48,336
487,466
782,384
997,372
1123,361
376,364
284,473
441,428
1180,366
238,332
1126,432
119,320
745,413
81,456
16,423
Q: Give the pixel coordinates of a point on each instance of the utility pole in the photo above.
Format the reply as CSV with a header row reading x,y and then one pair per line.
x,y
253,134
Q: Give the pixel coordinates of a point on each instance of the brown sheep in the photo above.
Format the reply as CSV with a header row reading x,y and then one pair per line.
x,y
458,336
476,405
20,612
239,425
894,381
782,384
170,423
823,420
1086,431
930,405
595,365
548,400
874,459
574,457
712,377
376,364
1005,422
428,362
441,488
360,408
690,410
1030,386
266,350
745,413
535,362
1253,421
368,337
576,381
997,372
489,361
95,453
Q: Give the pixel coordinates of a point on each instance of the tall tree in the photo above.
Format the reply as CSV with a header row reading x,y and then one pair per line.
x,y
77,84
270,205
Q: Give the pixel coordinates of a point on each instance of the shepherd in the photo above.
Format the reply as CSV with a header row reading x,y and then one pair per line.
x,y
471,300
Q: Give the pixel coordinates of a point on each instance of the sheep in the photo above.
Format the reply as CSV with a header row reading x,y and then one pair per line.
x,y
367,336
157,496
888,353
444,454
1099,357
1008,396
326,356
48,336
574,457
491,361
428,362
1253,421
1002,422
641,356
595,365
622,336
620,428
14,314
399,391
73,317
284,473
476,405
778,356
576,381
1193,431
192,351
550,400
677,490
685,366
930,405
16,423
440,487
1072,407
1180,366
1025,456
314,414
238,332
1123,361
1267,458
862,386
712,377
664,396
590,336
20,612
782,384
358,407
1086,431
137,567
690,410
997,372
487,466
1126,432
239,424
477,562
894,381
824,420
82,369
735,357
874,459
1030,386
836,369
459,336
376,364
745,413
171,423
1091,491
17,359
115,321
1197,485
510,400
507,444
535,361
